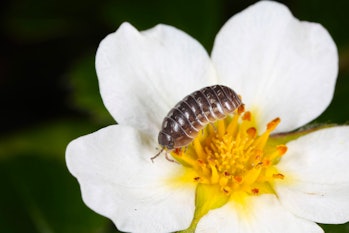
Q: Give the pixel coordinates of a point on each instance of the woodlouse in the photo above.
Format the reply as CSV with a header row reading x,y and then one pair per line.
x,y
193,113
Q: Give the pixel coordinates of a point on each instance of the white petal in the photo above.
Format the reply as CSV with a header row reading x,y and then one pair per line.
x,y
119,181
142,75
316,165
262,214
280,66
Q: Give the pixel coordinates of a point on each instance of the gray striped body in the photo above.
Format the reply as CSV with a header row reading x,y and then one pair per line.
x,y
194,112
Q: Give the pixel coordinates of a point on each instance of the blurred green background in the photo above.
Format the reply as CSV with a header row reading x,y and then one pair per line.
x,y
49,93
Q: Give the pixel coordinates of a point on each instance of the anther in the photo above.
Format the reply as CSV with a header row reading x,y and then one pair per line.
x,y
251,132
247,116
241,109
278,176
282,149
272,125
255,191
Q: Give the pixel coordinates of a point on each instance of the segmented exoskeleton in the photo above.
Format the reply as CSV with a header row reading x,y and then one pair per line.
x,y
194,112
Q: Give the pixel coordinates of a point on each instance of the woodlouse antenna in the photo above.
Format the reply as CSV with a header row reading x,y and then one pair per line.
x,y
166,156
157,154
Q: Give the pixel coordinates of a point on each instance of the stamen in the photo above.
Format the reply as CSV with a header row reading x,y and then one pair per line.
x,y
281,149
246,116
231,154
252,132
272,125
241,109
278,176
255,191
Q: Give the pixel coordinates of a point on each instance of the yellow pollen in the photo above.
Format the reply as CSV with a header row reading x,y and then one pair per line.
x,y
232,155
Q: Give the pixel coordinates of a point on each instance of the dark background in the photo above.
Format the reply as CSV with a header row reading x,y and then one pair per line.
x,y
49,93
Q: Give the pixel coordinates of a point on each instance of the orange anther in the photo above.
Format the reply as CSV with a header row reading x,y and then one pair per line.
x,y
251,132
247,116
255,191
238,179
282,149
241,109
278,176
272,125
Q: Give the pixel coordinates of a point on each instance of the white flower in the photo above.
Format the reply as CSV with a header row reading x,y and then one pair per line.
x,y
283,69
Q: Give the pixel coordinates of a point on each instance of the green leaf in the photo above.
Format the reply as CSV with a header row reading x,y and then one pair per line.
x,y
85,96
45,140
39,195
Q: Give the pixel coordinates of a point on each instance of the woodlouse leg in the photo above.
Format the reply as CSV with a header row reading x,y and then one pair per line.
x,y
168,158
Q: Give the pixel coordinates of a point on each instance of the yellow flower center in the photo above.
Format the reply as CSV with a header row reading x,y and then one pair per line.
x,y
231,155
